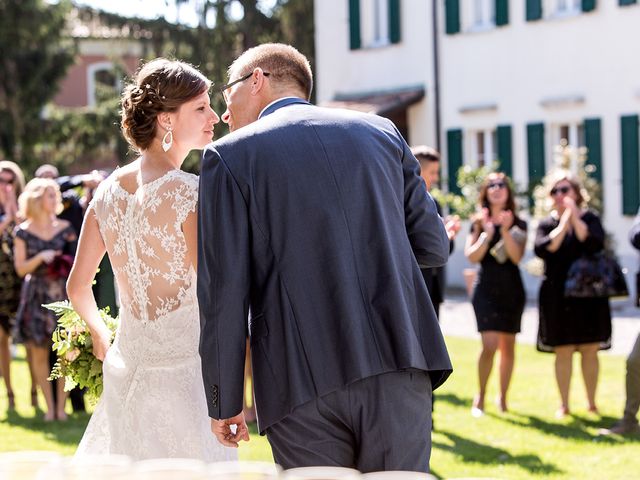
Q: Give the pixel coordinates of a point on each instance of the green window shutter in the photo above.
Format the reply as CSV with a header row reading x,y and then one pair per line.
x,y
629,130
502,12
534,10
354,24
454,158
505,150
535,153
394,21
593,142
588,5
627,2
452,16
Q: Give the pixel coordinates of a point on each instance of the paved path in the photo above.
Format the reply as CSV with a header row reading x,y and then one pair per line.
x,y
457,319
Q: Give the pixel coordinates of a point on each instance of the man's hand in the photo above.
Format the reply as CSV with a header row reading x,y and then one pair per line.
x,y
223,431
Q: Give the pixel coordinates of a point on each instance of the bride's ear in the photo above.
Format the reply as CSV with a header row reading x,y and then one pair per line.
x,y
164,121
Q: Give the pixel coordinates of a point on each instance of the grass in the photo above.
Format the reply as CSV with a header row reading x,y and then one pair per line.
x,y
528,442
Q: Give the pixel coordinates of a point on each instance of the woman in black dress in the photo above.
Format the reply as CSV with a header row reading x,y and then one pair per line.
x,y
497,242
43,251
568,325
11,185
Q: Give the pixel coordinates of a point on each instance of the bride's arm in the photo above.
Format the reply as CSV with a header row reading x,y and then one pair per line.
x,y
90,251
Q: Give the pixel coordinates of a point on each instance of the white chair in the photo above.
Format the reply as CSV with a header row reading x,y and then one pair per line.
x,y
95,467
397,475
168,469
243,471
321,473
27,465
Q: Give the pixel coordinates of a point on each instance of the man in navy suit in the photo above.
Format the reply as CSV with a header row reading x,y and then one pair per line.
x,y
317,222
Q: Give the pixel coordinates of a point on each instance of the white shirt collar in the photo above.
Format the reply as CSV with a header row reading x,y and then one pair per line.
x,y
276,100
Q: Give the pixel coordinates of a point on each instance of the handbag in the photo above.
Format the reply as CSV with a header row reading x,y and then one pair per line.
x,y
595,276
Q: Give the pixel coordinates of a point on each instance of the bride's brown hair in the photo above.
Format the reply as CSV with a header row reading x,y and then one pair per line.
x,y
160,85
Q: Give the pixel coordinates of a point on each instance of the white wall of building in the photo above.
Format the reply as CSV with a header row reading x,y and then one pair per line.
x,y
339,70
560,69
580,66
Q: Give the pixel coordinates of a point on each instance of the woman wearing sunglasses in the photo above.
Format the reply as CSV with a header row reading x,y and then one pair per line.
x,y
496,242
569,325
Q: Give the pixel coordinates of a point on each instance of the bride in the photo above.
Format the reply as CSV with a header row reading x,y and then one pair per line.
x,y
144,216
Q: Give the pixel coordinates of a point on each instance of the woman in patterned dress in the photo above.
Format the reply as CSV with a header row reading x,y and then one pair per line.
x,y
43,252
11,185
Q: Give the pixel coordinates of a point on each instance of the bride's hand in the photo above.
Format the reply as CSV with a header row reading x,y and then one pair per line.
x,y
101,343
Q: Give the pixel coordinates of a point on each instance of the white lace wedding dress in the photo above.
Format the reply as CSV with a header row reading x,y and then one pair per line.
x,y
153,404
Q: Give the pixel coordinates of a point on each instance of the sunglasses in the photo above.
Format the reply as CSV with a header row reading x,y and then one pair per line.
x,y
238,80
563,190
496,185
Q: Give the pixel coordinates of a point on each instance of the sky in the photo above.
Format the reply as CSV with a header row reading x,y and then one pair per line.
x,y
159,8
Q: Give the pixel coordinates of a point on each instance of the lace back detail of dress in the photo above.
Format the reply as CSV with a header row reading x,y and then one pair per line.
x,y
143,235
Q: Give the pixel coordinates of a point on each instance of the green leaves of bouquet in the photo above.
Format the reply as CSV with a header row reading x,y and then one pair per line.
x,y
74,348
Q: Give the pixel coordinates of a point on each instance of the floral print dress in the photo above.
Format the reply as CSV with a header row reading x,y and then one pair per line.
x,y
47,284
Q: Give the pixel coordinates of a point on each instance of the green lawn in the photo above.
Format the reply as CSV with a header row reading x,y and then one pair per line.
x,y
528,442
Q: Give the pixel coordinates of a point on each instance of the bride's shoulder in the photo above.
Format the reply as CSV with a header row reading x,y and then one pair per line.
x,y
189,179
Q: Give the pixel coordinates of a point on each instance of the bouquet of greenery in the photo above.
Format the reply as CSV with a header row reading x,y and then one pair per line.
x,y
74,348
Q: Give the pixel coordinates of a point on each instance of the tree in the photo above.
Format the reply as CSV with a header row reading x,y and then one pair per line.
x,y
35,54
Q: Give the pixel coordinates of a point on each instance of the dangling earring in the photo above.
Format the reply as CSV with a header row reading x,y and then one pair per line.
x,y
167,140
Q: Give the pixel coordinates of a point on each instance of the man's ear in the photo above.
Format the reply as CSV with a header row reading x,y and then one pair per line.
x,y
257,81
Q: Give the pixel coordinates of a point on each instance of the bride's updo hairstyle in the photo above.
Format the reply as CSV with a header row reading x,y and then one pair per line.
x,y
160,85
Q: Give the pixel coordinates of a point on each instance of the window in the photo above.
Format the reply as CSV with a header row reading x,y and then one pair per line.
x,y
483,15
484,147
102,82
568,7
375,23
571,134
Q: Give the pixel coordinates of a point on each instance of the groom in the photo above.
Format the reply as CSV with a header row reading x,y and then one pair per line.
x,y
317,221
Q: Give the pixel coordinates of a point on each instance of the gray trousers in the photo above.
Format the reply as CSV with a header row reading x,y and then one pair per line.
x,y
377,423
633,385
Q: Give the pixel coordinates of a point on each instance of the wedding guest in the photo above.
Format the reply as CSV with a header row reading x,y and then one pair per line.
x,y
72,202
497,242
434,278
569,325
629,421
43,252
73,207
11,185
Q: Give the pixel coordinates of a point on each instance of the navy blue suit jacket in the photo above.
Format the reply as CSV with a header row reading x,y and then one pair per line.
x,y
315,220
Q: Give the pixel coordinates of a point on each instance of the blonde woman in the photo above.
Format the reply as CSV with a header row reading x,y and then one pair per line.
x,y
43,251
569,325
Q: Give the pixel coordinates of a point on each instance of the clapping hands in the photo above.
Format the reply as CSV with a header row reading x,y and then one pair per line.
x,y
8,201
452,226
487,225
505,219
